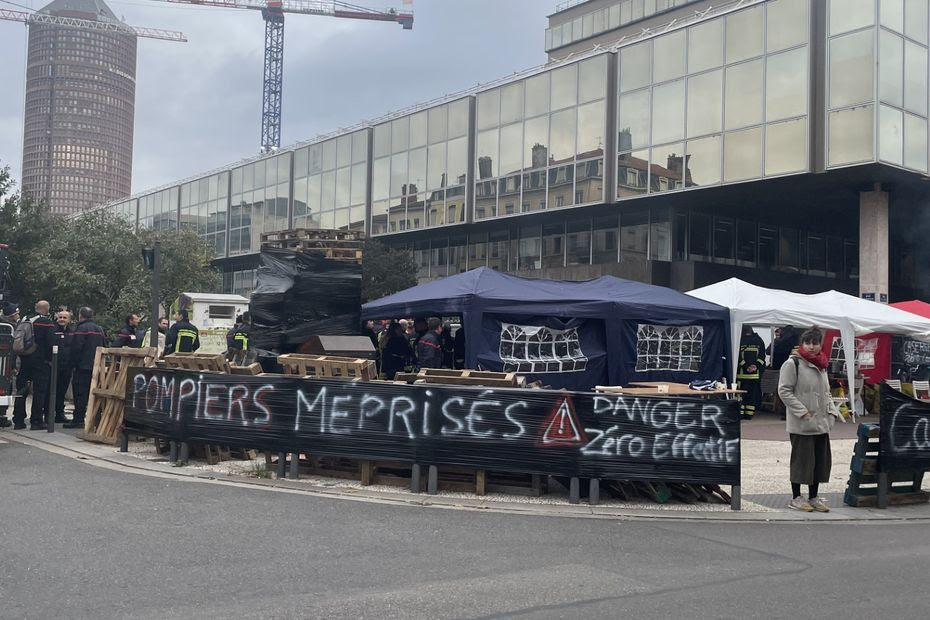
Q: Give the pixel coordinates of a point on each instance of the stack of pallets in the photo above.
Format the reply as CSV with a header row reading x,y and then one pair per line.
x,y
339,245
209,363
464,377
869,486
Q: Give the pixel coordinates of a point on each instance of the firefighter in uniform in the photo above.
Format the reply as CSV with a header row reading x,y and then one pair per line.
x,y
237,339
182,337
749,372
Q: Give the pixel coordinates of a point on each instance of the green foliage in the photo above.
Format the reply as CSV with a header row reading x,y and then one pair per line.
x,y
95,260
386,270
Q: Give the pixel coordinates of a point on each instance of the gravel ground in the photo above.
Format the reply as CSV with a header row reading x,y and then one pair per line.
x,y
765,466
557,496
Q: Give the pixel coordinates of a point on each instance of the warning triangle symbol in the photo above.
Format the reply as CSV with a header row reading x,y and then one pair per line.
x,y
561,428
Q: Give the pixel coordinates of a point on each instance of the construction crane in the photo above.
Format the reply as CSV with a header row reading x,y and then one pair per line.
x,y
74,22
273,13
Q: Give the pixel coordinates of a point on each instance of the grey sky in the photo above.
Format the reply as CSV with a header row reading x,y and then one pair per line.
x,y
198,104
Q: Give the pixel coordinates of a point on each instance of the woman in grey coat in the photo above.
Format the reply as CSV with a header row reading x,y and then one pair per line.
x,y
804,387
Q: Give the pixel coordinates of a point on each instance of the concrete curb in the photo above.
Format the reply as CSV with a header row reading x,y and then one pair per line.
x,y
104,456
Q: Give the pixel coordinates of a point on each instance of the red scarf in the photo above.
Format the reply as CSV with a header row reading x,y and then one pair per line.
x,y
819,360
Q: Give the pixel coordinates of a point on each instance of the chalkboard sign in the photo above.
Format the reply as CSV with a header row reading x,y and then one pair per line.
x,y
905,431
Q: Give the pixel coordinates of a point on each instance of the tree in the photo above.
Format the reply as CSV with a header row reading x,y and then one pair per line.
x,y
95,259
386,270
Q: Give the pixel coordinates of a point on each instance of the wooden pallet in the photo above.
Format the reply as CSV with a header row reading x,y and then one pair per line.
x,y
869,486
198,362
464,377
104,417
328,367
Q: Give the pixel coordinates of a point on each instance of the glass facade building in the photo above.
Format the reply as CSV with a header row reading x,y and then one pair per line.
x,y
734,142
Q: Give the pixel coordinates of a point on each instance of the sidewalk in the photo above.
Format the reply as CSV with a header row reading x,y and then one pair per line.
x,y
764,480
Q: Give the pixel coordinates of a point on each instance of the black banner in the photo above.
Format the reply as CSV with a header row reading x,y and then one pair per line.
x,y
905,431
534,431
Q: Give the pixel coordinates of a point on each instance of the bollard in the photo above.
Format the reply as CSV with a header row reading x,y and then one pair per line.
x,y
124,441
415,478
574,491
185,452
594,491
172,451
53,385
282,464
432,480
735,498
295,466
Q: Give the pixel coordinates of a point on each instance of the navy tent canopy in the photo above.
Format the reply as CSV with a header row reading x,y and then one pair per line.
x,y
573,334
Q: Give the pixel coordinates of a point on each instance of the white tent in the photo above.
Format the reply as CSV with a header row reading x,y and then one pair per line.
x,y
852,316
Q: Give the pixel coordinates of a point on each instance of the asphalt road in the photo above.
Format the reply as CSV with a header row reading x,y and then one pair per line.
x,y
80,541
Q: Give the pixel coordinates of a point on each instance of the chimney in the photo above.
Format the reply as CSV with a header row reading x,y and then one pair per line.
x,y
625,140
484,167
540,154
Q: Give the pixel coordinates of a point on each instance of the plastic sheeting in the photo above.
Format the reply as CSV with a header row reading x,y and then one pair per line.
x,y
535,431
905,431
300,295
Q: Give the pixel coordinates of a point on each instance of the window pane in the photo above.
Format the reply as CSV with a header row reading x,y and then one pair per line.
x,y
398,174
457,161
705,46
562,136
788,248
343,186
511,148
591,128
382,143
563,92
553,245
561,186
359,181
786,24
634,120
400,134
634,234
632,177
699,238
915,78
892,14
846,15
537,95
300,164
724,238
529,247
315,152
743,102
436,166
850,135
668,112
605,244
416,170
343,151
437,120
589,181
511,103
915,20
915,142
329,156
486,148
705,103
359,147
669,56
891,68
786,147
851,69
328,195
489,105
418,124
535,139
635,66
666,167
890,135
746,241
703,162
744,34
592,79
786,84
578,242
742,155
381,178
458,118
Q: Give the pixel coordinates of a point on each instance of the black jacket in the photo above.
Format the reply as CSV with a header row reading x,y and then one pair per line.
x,y
395,356
429,351
182,337
128,337
87,337
237,338
64,339
43,328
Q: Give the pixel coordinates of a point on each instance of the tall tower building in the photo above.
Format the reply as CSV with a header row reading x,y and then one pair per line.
x,y
79,109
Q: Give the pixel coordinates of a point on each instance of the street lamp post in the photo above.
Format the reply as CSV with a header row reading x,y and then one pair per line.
x,y
152,257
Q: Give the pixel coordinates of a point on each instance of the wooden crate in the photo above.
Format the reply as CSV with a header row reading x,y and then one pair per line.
x,y
104,416
869,486
328,367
